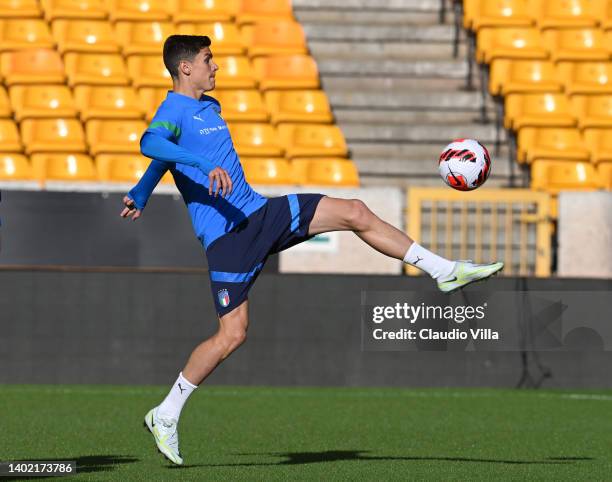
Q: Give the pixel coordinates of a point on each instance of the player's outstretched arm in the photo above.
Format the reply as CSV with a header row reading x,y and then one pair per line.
x,y
137,198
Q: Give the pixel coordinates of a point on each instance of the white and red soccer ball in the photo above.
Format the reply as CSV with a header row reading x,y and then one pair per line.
x,y
465,164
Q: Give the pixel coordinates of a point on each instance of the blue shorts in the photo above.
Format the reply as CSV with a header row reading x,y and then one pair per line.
x,y
236,258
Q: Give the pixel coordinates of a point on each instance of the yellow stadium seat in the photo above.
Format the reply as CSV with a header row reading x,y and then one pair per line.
x,y
235,72
298,106
17,34
32,67
272,170
87,36
225,36
148,71
605,175
555,143
77,9
242,105
123,167
538,110
63,167
334,172
151,98
499,13
95,69
606,18
555,176
14,167
5,104
586,77
255,139
52,135
576,44
187,11
566,14
286,72
523,76
19,9
107,102
599,143
42,101
253,11
593,110
509,43
277,38
9,136
114,136
140,10
138,38
312,140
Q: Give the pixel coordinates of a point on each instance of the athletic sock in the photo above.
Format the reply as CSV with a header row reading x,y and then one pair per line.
x,y
436,266
172,405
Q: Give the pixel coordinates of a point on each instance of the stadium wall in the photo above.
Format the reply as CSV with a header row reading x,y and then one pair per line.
x,y
130,327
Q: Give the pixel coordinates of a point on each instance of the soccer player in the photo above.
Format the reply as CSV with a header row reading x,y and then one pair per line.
x,y
238,227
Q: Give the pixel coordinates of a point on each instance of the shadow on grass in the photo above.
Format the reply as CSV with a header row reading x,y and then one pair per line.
x,y
301,458
84,464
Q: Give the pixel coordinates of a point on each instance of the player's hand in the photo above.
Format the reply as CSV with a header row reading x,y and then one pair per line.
x,y
130,210
219,181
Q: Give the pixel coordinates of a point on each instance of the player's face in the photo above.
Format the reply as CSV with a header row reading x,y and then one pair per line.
x,y
203,70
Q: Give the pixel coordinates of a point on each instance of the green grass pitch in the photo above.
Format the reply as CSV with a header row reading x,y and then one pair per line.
x,y
320,434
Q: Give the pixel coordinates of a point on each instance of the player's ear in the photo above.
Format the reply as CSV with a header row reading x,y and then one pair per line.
x,y
185,67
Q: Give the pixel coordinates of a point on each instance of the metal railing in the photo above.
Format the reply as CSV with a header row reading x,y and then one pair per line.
x,y
509,225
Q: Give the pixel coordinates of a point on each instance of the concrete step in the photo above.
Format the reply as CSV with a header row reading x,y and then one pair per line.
x,y
413,151
358,116
408,181
450,69
330,49
367,33
414,167
375,5
326,15
425,133
451,101
390,85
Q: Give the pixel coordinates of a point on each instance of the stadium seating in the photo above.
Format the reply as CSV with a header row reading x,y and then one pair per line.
x,y
63,167
599,143
586,77
256,140
138,38
148,71
325,172
605,175
286,72
9,136
86,36
52,135
16,34
225,37
253,11
151,98
277,38
538,110
107,102
555,176
32,67
14,167
40,101
19,9
5,104
74,9
593,110
235,72
95,69
242,105
523,76
114,136
502,13
576,44
510,43
566,14
124,168
139,10
187,11
312,140
298,106
267,170
551,143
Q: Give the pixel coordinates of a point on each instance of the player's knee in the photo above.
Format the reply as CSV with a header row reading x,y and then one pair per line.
x,y
358,215
232,337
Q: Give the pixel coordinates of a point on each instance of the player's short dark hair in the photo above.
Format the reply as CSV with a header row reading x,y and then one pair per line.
x,y
182,47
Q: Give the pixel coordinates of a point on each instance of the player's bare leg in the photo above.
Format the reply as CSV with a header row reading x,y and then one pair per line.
x,y
334,214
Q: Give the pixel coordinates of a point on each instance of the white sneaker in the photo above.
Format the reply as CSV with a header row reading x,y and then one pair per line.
x,y
466,272
165,434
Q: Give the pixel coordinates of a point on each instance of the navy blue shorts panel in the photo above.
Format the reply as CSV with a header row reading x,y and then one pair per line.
x,y
236,258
